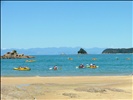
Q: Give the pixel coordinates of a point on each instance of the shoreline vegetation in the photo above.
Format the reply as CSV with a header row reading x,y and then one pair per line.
x,y
67,88
118,51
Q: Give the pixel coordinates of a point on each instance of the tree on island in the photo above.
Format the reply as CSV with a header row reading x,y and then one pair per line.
x,y
82,51
118,50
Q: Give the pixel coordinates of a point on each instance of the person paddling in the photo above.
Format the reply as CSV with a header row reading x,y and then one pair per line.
x,y
81,66
55,67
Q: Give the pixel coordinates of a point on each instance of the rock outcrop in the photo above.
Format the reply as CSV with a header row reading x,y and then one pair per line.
x,y
82,51
14,55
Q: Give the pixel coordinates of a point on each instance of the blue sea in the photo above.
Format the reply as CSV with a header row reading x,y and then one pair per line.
x,y
109,65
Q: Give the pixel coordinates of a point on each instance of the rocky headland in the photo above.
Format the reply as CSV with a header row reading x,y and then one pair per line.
x,y
14,55
119,50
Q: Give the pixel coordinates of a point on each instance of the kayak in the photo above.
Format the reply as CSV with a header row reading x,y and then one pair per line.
x,y
53,68
30,61
50,68
59,68
79,68
70,59
92,67
22,69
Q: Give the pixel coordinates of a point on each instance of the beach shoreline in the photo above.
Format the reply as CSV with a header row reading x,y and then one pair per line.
x,y
67,88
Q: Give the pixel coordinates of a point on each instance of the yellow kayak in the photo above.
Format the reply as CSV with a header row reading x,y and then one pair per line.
x,y
30,61
70,59
93,67
22,68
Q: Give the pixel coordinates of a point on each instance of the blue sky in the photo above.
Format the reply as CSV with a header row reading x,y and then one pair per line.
x,y
31,24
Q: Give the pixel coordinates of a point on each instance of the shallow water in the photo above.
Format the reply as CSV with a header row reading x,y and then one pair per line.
x,y
20,86
109,64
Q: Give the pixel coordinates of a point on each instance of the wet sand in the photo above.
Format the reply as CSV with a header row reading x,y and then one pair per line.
x,y
67,88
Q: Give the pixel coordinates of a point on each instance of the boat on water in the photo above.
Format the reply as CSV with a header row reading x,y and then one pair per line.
x,y
70,58
94,58
22,68
30,61
55,68
77,67
93,66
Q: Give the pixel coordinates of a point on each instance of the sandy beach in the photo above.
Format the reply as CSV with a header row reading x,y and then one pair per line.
x,y
67,88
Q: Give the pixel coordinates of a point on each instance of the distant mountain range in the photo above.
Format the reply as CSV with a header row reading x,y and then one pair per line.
x,y
53,51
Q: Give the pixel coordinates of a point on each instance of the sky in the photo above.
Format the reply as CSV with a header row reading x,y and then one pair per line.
x,y
87,24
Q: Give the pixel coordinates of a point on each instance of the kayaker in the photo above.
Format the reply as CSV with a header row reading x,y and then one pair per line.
x,y
87,65
19,67
25,67
92,66
55,67
81,66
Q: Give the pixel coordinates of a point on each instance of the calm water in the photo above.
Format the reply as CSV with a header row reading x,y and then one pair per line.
x,y
108,65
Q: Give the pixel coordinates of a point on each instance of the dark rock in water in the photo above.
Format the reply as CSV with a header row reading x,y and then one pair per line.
x,y
82,51
14,55
119,50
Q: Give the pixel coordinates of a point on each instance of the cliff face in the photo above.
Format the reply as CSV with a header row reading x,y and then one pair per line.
x,y
13,55
119,50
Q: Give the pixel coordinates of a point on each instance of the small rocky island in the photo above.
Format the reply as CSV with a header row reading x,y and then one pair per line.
x,y
119,50
82,51
14,55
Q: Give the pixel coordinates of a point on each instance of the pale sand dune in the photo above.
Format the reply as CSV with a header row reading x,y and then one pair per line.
x,y
67,88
